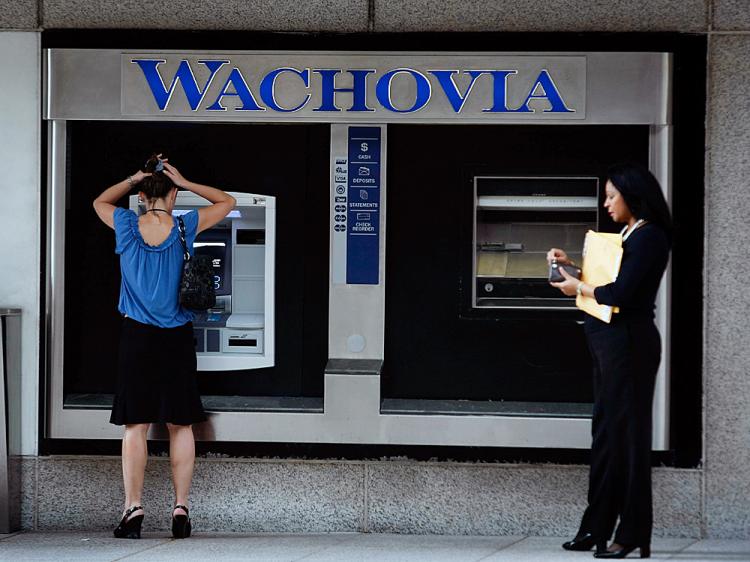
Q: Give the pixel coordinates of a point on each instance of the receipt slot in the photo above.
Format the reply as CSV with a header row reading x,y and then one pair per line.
x,y
238,332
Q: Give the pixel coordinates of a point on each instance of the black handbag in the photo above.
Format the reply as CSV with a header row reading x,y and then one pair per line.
x,y
197,290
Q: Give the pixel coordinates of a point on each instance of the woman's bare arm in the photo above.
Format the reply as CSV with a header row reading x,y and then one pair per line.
x,y
207,216
104,205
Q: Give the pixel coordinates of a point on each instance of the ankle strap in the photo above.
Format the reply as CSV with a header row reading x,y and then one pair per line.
x,y
132,509
183,507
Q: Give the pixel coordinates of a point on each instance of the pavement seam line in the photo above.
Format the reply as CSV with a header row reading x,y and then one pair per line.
x,y
10,535
342,542
316,551
680,551
503,548
165,541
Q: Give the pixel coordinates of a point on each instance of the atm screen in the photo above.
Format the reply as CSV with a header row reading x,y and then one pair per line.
x,y
216,245
217,252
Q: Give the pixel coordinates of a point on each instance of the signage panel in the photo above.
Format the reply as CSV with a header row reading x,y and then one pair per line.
x,y
363,215
356,200
358,88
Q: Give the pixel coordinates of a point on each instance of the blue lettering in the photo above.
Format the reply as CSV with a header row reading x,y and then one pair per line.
x,y
499,91
383,90
241,90
543,93
549,93
329,90
184,75
445,78
268,88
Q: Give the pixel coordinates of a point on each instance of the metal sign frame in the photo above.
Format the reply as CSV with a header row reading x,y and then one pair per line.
x,y
621,88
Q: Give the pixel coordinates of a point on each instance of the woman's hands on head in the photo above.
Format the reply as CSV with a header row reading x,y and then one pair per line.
x,y
138,177
174,174
221,203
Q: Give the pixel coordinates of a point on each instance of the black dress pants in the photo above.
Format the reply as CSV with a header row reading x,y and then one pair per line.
x,y
626,357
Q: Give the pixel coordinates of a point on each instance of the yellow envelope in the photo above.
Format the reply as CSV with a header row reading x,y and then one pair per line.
x,y
602,256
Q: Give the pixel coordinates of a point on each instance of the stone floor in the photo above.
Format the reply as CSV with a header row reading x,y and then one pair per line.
x,y
59,546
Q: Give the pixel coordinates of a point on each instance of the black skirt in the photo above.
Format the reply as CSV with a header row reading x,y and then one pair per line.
x,y
156,378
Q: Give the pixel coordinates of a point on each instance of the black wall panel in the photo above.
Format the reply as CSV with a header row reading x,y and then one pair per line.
x,y
288,162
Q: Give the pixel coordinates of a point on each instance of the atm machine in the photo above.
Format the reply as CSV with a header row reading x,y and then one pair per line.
x,y
238,332
516,220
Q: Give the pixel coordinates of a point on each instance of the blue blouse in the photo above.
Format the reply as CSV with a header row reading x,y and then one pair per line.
x,y
149,292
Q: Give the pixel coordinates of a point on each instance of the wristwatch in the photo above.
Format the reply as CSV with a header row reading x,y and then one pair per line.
x,y
579,288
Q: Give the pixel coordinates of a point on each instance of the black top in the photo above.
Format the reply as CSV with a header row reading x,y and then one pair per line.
x,y
644,259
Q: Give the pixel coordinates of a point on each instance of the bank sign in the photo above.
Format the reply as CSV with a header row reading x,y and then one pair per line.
x,y
354,87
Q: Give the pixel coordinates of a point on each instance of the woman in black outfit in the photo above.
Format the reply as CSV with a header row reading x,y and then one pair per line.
x,y
626,355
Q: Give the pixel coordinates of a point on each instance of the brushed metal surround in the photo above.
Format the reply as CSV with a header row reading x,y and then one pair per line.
x,y
621,88
10,419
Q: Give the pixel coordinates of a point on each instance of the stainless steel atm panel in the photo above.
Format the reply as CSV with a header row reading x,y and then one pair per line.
x,y
238,332
618,88
516,221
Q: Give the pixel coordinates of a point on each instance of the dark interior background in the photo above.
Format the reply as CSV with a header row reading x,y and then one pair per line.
x,y
437,347
289,162
688,111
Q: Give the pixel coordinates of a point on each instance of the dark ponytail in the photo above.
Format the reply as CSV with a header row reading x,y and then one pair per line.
x,y
642,193
157,185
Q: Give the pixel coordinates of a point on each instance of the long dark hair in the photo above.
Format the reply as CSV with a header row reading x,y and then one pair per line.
x,y
157,185
642,193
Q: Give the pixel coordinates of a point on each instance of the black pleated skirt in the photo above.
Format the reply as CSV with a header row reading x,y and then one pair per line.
x,y
156,378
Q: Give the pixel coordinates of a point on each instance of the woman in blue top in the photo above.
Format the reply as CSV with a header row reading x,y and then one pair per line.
x,y
156,379
626,354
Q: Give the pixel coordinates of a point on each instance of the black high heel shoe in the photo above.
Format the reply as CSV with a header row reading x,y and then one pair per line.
x,y
623,551
130,528
181,526
584,542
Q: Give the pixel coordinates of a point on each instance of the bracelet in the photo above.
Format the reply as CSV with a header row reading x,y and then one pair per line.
x,y
131,181
579,289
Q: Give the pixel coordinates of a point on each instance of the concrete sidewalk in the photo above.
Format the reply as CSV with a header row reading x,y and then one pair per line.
x,y
58,546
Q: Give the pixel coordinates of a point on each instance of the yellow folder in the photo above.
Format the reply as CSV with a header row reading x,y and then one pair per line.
x,y
602,256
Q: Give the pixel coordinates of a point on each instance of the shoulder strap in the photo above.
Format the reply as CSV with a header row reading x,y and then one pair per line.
x,y
181,225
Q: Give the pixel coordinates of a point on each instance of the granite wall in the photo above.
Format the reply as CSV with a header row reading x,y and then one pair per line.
x,y
727,301
252,495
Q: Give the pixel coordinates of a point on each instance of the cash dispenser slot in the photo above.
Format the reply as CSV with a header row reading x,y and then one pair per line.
x,y
247,236
517,220
242,341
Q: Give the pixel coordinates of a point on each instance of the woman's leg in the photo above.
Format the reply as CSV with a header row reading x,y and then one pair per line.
x,y
612,353
134,455
601,514
636,510
182,459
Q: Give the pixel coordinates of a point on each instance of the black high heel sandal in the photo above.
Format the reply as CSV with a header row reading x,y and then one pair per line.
x,y
623,551
181,526
130,528
585,542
